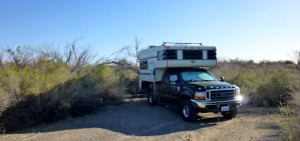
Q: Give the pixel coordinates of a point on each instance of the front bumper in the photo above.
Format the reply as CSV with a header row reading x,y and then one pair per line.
x,y
214,106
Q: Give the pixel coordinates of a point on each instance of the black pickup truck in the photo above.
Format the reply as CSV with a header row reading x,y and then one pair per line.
x,y
195,90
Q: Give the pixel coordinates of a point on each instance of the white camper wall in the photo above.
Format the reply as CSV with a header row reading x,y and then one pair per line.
x,y
159,65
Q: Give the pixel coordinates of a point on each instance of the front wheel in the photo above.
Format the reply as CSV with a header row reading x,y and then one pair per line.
x,y
152,100
188,112
230,114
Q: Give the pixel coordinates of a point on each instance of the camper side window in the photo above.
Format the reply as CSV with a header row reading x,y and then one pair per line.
x,y
169,54
211,54
144,65
159,55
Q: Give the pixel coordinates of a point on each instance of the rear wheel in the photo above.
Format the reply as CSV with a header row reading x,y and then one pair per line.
x,y
152,100
188,112
230,114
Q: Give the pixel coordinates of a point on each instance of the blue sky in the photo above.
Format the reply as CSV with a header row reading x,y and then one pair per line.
x,y
245,29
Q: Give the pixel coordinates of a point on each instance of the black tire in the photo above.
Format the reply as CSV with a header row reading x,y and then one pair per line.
x,y
151,99
188,113
229,115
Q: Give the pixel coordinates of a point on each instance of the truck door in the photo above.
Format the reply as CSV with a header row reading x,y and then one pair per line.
x,y
173,88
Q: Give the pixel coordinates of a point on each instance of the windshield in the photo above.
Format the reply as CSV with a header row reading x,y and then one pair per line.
x,y
193,76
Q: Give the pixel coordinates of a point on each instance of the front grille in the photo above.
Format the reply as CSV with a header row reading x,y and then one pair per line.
x,y
220,94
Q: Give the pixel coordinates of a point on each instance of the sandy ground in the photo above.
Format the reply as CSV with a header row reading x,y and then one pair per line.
x,y
136,121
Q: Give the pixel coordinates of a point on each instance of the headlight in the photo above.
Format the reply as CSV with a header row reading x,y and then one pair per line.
x,y
237,92
238,95
239,98
199,95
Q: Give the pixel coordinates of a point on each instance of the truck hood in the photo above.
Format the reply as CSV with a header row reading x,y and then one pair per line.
x,y
211,84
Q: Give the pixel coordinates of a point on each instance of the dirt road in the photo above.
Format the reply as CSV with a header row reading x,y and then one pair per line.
x,y
136,120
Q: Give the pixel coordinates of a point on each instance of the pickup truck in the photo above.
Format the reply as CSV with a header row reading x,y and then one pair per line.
x,y
194,91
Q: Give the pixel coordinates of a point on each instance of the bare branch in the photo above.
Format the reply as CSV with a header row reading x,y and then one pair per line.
x,y
76,58
20,57
48,54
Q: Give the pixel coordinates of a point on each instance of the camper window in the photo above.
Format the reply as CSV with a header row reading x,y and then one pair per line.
x,y
192,54
159,55
169,54
211,54
144,65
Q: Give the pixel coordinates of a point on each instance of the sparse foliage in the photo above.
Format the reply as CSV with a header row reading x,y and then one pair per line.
x,y
76,57
115,58
20,57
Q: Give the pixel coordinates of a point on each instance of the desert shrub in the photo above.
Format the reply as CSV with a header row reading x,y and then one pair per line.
x,y
261,84
107,83
133,86
279,83
50,92
63,100
246,79
10,82
5,100
127,79
290,121
50,87
84,104
30,111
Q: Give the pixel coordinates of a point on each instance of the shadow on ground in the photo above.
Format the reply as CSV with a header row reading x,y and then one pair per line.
x,y
133,118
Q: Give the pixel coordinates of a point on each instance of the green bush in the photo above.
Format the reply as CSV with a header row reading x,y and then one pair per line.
x,y
261,84
108,84
279,83
47,92
290,121
41,85
247,80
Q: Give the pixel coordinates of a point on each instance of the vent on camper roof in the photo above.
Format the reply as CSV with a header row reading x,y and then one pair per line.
x,y
192,54
169,54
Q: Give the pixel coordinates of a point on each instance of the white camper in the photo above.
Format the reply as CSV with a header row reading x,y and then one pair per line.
x,y
155,59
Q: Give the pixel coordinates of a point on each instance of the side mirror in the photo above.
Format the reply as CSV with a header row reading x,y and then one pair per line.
x,y
222,79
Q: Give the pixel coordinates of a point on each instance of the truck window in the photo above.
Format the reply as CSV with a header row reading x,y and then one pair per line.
x,y
173,79
197,76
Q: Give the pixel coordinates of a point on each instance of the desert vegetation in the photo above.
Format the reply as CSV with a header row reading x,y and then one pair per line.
x,y
44,85
269,84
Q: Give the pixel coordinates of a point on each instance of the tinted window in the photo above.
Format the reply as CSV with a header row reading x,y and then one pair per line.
x,y
192,54
169,54
211,54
